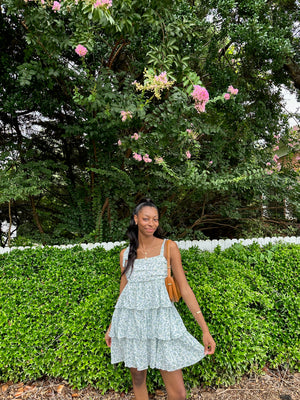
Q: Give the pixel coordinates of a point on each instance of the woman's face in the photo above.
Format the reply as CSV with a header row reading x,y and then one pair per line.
x,y
147,220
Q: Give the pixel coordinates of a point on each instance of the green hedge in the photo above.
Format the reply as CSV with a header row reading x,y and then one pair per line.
x,y
55,306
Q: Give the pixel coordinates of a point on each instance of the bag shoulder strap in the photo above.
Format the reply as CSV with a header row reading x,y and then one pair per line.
x,y
168,258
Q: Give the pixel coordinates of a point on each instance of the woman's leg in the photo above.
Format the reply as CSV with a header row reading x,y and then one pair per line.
x,y
139,384
174,384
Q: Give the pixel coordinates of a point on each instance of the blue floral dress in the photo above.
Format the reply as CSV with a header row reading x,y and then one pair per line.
x,y
146,329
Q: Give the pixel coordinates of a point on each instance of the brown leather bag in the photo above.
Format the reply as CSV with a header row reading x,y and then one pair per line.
x,y
171,284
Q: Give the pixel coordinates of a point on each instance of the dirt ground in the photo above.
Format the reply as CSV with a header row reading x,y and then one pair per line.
x,y
274,385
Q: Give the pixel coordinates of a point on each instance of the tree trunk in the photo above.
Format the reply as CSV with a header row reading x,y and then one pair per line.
x,y
98,235
10,224
36,218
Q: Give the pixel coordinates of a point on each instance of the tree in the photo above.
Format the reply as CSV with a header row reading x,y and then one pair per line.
x,y
85,58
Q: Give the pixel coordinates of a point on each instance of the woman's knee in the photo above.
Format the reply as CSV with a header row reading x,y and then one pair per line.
x,y
138,377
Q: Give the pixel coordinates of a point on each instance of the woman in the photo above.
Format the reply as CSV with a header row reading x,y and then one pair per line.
x,y
146,329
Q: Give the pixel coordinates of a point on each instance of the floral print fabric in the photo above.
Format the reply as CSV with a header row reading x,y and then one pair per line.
x,y
147,330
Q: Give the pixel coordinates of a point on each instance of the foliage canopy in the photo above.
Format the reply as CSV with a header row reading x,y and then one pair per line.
x,y
70,160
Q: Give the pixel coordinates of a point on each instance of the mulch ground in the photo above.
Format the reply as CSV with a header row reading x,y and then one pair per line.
x,y
274,385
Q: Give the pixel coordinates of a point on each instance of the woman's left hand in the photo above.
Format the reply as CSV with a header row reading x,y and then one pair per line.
x,y
209,343
108,338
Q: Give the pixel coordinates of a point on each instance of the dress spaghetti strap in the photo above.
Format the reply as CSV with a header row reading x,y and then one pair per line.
x,y
125,256
163,248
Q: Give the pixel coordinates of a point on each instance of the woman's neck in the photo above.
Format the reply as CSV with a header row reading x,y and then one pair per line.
x,y
146,241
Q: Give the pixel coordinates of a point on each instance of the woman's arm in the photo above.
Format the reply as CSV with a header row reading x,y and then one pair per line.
x,y
189,297
123,283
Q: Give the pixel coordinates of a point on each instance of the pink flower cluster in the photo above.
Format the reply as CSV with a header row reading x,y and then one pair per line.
x,y
56,6
139,157
81,50
146,158
231,91
103,3
276,166
125,115
201,97
162,78
188,154
135,136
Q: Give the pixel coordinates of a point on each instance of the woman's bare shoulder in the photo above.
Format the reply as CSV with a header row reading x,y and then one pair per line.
x,y
122,253
172,244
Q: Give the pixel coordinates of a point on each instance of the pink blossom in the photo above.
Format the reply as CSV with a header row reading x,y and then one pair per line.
x,y
137,156
226,96
119,142
232,90
269,172
268,164
276,148
297,158
147,159
80,50
103,3
135,136
161,77
125,115
56,6
189,130
210,162
188,154
43,1
201,97
275,158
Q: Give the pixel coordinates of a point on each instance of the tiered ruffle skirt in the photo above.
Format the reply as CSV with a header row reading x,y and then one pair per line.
x,y
147,330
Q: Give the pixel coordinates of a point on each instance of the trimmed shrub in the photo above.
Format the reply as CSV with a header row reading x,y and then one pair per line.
x,y
55,307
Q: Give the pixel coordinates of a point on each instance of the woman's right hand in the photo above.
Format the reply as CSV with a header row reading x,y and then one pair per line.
x,y
108,338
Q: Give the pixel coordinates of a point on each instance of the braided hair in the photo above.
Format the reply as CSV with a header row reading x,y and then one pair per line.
x,y
132,233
